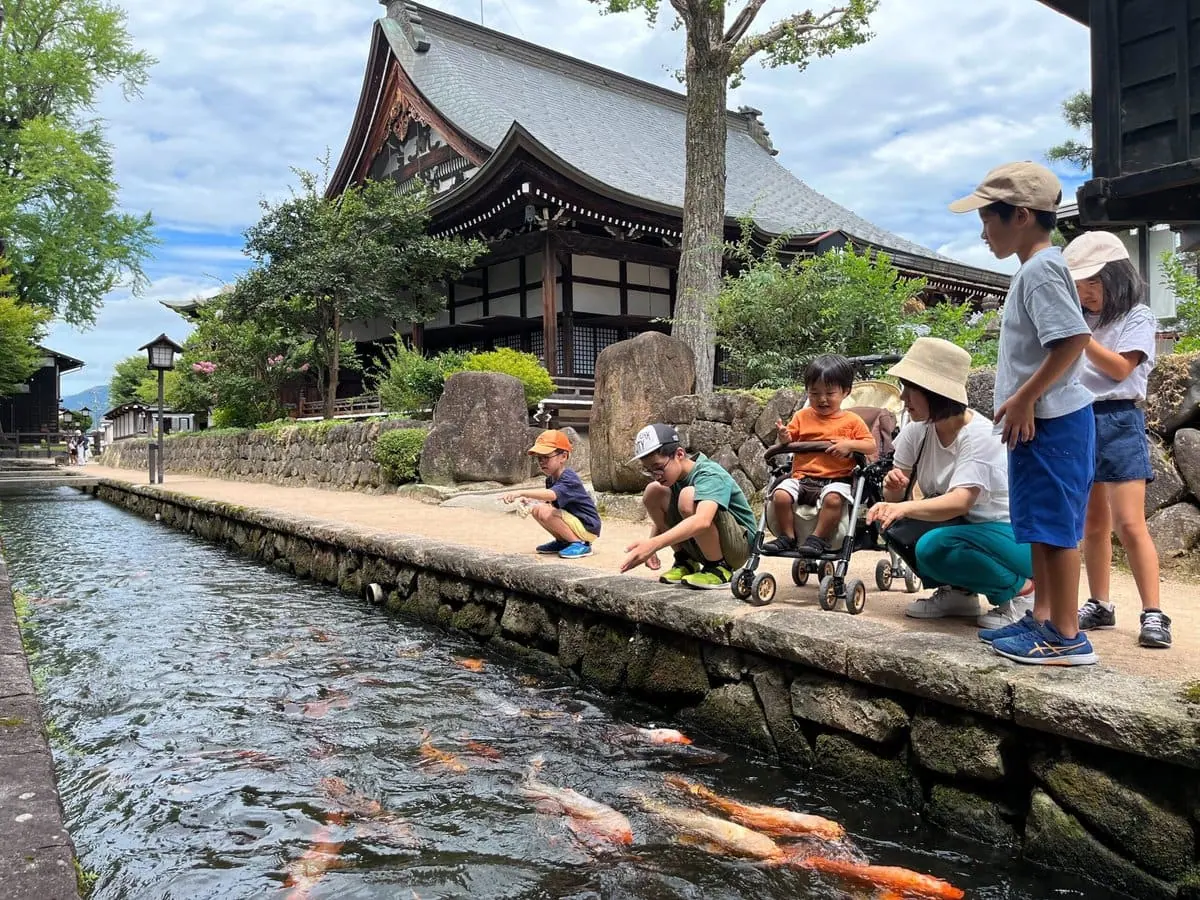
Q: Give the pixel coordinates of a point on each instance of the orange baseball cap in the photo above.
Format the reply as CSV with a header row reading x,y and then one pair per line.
x,y
550,441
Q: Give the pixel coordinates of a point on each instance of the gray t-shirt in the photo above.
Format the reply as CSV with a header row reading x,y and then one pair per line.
x,y
1133,331
1042,307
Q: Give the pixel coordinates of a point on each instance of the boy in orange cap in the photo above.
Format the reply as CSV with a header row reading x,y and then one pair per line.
x,y
564,507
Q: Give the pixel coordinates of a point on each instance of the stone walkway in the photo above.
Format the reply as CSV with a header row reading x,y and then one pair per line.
x,y
498,530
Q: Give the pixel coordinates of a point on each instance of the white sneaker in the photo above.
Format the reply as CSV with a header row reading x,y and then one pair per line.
x,y
1006,613
945,601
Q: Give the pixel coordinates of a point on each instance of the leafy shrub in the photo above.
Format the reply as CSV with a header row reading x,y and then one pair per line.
x,y
961,325
1186,287
410,381
399,451
525,367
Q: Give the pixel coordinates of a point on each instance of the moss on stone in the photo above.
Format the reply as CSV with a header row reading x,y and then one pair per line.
x,y
605,656
12,721
959,747
791,743
666,667
476,619
1191,692
841,758
969,815
731,713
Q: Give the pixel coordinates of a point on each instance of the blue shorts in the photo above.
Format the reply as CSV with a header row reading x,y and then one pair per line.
x,y
1122,448
1050,478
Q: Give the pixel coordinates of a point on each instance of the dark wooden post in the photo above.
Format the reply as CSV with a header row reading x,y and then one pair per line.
x,y
549,313
568,316
418,337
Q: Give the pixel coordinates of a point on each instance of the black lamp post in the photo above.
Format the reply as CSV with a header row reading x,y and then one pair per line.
x,y
161,357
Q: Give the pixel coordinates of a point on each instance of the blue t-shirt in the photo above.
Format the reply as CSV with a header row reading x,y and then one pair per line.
x,y
571,496
1042,308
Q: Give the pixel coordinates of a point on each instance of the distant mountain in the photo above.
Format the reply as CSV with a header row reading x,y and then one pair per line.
x,y
94,398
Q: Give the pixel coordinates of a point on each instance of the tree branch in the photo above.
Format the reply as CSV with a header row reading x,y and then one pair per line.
x,y
684,11
799,23
742,23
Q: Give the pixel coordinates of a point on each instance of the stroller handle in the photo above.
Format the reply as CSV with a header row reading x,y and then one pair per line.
x,y
798,447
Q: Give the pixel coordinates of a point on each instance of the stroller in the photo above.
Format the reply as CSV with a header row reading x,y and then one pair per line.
x,y
853,533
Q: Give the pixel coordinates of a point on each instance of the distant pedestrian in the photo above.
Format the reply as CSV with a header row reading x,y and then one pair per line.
x,y
1116,367
563,507
80,448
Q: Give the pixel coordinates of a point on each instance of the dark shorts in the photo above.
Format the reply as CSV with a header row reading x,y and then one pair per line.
x,y
1050,478
1122,448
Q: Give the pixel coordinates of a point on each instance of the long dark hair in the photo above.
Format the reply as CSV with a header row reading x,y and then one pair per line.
x,y
1123,290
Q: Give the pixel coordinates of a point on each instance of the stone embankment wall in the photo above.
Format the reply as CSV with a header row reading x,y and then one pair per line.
x,y
341,457
1094,773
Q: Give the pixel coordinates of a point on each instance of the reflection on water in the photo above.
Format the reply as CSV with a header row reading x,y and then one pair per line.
x,y
226,731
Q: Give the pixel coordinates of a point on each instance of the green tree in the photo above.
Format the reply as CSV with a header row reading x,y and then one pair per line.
x,y
127,375
772,318
1185,284
66,241
959,324
21,328
717,56
324,262
1077,110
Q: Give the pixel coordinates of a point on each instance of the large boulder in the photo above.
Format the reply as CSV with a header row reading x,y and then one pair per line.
x,y
1186,447
1175,531
1173,393
981,391
1167,487
480,431
634,381
780,408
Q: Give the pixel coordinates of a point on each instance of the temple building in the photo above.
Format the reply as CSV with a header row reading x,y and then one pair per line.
x,y
574,176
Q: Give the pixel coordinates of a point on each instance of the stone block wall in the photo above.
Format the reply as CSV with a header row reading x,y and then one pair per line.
x,y
341,457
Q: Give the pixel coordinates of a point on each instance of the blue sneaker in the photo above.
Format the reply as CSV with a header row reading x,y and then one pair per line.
x,y
1026,623
1044,645
576,550
552,547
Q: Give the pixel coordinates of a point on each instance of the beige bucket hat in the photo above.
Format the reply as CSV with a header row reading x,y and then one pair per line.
x,y
937,366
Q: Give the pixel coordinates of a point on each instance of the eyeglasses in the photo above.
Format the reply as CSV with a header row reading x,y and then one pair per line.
x,y
543,457
656,472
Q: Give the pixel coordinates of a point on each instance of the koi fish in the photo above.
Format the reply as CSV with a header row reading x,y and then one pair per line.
x,y
276,655
323,855
439,759
316,709
319,635
769,819
712,834
411,650
663,735
668,741
483,750
471,665
903,882
590,820
363,807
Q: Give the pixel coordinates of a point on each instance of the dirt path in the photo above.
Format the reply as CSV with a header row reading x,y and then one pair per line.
x,y
498,530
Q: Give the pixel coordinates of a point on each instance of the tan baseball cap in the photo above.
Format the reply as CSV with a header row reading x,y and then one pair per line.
x,y
1092,251
1023,184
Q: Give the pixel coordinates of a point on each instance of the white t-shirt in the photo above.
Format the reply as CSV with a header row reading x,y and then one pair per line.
x,y
1133,331
975,458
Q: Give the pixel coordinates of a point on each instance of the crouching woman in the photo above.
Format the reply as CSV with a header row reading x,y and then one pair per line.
x,y
957,537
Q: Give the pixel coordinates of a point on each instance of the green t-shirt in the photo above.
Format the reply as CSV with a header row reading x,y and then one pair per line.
x,y
712,482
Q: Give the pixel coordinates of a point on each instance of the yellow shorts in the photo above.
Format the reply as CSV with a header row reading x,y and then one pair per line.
x,y
578,527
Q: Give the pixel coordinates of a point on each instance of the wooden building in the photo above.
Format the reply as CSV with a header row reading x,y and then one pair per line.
x,y
573,174
31,414
131,420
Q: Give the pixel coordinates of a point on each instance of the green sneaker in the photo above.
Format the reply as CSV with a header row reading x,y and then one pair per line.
x,y
709,578
681,570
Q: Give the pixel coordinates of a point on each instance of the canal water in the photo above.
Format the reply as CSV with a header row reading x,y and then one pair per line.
x,y
220,729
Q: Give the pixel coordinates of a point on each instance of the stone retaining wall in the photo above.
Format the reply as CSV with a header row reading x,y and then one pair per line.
x,y
340,457
1094,773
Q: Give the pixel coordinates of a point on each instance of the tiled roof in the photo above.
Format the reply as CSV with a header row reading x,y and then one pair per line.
x,y
623,132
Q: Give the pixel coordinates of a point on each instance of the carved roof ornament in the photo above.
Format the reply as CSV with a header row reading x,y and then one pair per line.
x,y
410,23
757,130
402,113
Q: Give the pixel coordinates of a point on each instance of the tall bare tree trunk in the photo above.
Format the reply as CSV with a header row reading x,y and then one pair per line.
x,y
334,362
704,189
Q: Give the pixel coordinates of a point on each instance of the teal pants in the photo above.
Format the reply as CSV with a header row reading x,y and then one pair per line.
x,y
983,557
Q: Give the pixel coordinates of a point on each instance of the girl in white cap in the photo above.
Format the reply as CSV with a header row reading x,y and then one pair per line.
x,y
1117,365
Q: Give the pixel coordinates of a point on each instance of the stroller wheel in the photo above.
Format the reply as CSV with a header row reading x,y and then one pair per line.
x,y
762,590
912,582
800,572
827,593
740,586
827,569
856,596
883,575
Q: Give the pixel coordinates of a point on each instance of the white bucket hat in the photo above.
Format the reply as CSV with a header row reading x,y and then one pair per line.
x,y
1092,251
937,366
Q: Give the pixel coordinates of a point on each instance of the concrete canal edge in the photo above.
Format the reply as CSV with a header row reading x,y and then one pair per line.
x,y
1091,772
37,858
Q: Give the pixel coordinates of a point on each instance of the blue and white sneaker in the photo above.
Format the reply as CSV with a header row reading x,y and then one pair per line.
x,y
1026,623
1045,646
576,550
551,547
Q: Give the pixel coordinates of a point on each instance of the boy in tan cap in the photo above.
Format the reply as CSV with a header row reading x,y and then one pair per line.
x,y
1042,411
564,507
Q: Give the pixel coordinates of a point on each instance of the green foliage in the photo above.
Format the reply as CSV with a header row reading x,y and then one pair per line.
x,y
960,325
127,377
772,318
147,389
525,367
21,327
411,382
61,227
399,451
365,254
1185,285
1077,110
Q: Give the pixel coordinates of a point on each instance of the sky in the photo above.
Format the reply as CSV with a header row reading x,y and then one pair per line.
x,y
243,92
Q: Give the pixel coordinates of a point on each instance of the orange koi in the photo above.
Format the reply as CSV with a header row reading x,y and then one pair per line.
x,y
904,882
663,735
590,820
712,834
323,855
769,819
439,759
471,665
484,750
364,807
